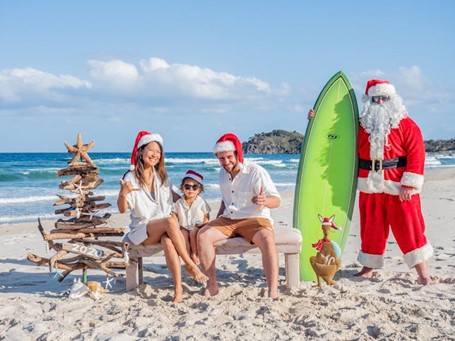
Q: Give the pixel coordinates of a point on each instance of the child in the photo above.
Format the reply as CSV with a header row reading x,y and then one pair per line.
x,y
191,210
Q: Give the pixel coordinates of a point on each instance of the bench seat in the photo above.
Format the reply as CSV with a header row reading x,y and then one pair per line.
x,y
288,241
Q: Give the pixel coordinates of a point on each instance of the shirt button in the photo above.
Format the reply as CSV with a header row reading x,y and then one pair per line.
x,y
232,191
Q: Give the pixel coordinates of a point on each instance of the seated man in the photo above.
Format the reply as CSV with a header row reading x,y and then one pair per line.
x,y
248,193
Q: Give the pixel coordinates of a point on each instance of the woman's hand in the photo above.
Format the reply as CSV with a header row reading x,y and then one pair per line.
x,y
125,188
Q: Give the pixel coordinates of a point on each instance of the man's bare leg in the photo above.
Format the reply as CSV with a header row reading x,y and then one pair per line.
x,y
207,237
265,240
422,271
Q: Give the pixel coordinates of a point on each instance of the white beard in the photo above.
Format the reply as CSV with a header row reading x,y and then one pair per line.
x,y
378,120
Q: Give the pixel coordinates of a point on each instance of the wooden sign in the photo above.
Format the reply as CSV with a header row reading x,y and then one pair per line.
x,y
85,250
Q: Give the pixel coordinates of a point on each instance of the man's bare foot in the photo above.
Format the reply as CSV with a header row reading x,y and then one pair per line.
x,y
212,291
365,273
195,259
422,271
178,295
273,294
426,280
197,274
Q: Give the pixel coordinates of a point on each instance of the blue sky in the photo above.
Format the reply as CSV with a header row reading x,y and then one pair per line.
x,y
193,70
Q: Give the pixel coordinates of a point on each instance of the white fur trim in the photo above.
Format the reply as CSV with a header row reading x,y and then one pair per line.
x,y
413,180
375,183
371,261
146,139
226,146
382,89
194,177
419,255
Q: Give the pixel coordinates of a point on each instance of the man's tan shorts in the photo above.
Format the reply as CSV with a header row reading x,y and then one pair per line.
x,y
245,228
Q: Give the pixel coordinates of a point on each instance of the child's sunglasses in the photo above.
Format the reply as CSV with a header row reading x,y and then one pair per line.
x,y
194,187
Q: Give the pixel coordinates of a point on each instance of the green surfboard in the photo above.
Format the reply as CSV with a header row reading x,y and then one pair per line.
x,y
327,175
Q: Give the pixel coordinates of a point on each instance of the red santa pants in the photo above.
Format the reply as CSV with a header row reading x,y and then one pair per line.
x,y
379,212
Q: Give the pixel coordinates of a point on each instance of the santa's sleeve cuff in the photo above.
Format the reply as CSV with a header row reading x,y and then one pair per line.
x,y
413,180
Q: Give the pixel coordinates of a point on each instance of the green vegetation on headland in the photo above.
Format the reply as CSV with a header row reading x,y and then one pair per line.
x,y
289,142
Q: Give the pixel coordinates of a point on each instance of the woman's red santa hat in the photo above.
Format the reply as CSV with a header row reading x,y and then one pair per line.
x,y
227,143
194,175
379,87
143,138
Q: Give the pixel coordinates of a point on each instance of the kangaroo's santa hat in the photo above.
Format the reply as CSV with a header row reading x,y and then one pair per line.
x,y
143,138
229,142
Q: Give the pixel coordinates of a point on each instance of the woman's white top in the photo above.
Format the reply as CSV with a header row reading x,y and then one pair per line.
x,y
145,207
190,214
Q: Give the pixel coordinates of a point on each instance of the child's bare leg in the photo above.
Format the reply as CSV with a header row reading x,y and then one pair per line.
x,y
193,244
186,236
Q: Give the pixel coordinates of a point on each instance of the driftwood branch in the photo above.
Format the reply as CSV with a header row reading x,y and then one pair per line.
x,y
84,169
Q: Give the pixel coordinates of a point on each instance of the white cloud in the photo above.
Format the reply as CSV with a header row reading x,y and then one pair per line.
x,y
155,78
115,74
17,84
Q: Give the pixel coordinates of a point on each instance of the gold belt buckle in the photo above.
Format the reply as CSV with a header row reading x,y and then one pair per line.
x,y
373,164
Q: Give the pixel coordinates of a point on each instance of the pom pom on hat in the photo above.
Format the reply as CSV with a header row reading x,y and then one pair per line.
x,y
194,175
378,87
229,142
143,138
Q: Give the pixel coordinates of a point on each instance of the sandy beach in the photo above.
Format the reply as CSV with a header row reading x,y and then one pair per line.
x,y
391,306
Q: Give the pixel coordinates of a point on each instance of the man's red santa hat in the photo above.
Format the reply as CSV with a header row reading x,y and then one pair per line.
x,y
194,175
379,87
227,143
143,138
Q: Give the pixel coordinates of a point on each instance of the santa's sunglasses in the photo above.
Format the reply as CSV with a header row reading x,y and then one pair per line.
x,y
376,99
194,187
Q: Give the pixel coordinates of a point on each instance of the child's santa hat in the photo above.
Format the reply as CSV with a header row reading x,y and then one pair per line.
x,y
143,138
229,142
194,175
378,87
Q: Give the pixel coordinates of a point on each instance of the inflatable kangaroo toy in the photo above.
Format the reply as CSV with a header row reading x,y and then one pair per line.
x,y
327,262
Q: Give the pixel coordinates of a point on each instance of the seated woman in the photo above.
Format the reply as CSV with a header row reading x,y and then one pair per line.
x,y
146,191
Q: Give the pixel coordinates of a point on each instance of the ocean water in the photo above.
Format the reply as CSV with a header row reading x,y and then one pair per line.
x,y
29,184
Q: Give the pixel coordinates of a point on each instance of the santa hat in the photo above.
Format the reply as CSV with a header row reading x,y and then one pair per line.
x,y
143,138
229,142
329,222
194,175
377,87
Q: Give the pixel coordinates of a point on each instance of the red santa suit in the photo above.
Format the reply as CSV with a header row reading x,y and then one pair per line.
x,y
387,162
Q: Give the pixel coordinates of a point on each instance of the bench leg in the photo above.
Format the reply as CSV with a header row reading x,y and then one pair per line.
x,y
292,268
132,280
140,266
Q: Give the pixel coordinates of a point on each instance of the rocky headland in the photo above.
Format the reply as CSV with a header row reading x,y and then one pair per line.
x,y
289,142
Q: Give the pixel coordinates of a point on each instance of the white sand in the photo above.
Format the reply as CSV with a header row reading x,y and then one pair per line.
x,y
392,306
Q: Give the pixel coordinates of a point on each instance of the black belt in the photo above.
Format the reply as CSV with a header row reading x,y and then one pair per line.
x,y
379,164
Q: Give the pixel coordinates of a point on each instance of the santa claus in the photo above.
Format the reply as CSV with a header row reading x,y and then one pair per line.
x,y
391,165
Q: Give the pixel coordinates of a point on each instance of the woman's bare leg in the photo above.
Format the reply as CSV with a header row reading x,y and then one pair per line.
x,y
157,228
173,264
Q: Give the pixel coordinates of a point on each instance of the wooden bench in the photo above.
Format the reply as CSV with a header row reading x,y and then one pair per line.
x,y
288,241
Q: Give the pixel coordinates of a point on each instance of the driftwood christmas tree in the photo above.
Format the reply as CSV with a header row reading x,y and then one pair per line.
x,y
81,230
